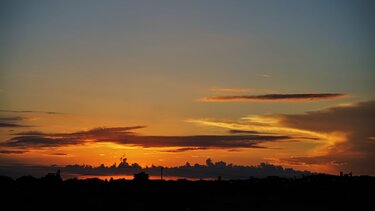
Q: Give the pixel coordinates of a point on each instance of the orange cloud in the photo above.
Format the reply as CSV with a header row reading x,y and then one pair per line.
x,y
342,134
355,122
126,137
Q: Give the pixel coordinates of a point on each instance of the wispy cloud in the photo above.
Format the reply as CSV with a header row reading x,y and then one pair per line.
x,y
246,132
231,90
275,97
59,154
12,151
5,124
184,149
267,124
29,111
12,122
11,118
126,136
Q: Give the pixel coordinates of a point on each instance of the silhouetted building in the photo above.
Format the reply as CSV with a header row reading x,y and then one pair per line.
x,y
141,177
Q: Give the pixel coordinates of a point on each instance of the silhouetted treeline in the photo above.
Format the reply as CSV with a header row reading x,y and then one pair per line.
x,y
314,192
209,170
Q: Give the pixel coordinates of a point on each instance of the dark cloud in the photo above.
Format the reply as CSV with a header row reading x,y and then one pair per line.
x,y
95,132
29,111
357,122
184,149
59,154
126,136
209,170
246,132
8,124
11,121
40,142
12,151
315,160
276,97
30,133
11,118
216,141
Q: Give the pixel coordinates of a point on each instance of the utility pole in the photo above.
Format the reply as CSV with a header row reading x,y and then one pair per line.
x,y
161,172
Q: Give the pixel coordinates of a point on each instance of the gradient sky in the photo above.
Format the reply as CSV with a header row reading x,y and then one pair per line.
x,y
284,82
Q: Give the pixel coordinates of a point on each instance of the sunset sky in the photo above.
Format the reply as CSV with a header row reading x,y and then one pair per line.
x,y
168,82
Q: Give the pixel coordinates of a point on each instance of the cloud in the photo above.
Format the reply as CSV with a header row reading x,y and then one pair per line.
x,y
11,121
313,160
233,90
59,154
40,142
11,118
356,122
261,124
245,132
29,111
209,170
12,151
6,124
184,149
99,132
340,138
126,136
213,141
275,97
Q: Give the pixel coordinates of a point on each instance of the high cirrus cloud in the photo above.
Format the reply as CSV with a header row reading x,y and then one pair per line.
x,y
275,97
126,136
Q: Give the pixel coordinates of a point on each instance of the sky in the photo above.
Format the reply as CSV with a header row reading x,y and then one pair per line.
x,y
168,82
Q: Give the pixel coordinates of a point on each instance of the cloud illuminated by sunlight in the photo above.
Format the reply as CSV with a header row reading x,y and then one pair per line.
x,y
342,135
272,124
259,124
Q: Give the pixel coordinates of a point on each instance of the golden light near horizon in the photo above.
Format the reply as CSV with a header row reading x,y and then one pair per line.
x,y
244,83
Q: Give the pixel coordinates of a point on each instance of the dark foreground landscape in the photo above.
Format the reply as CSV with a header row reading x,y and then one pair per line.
x,y
314,192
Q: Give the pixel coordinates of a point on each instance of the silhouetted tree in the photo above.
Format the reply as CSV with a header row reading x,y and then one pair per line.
x,y
52,178
209,162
